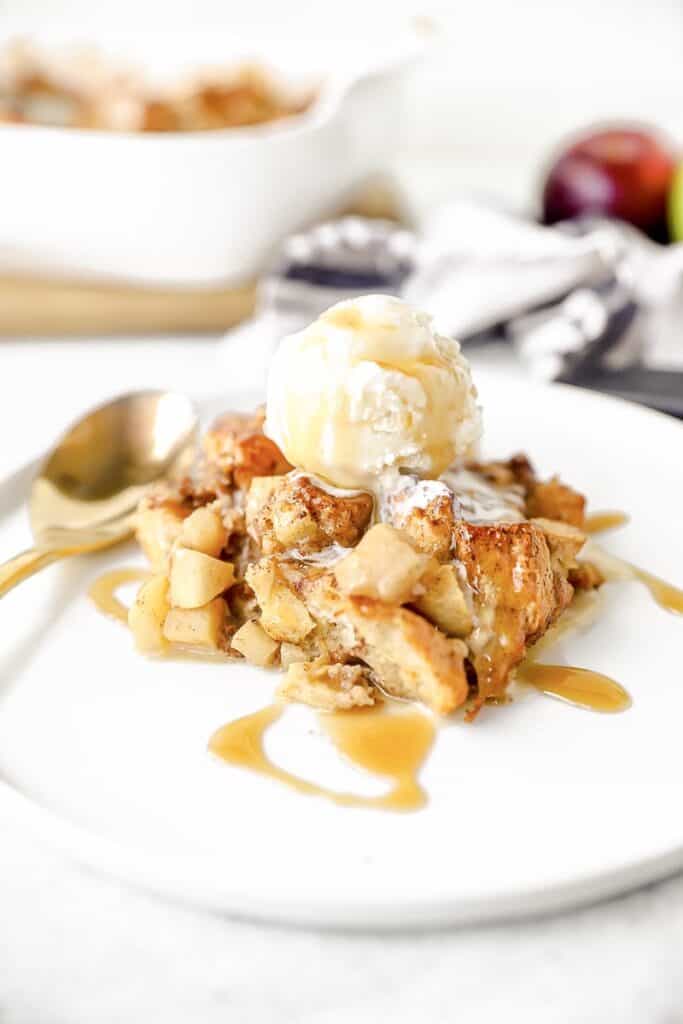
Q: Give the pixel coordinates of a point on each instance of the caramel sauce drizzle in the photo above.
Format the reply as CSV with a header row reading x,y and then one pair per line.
x,y
103,591
665,594
390,744
578,686
581,687
599,521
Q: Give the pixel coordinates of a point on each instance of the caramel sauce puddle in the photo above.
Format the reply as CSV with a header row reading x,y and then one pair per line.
x,y
578,686
389,744
103,591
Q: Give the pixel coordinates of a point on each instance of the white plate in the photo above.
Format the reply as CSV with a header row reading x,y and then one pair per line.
x,y
537,805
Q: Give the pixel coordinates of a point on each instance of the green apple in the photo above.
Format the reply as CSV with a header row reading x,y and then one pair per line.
x,y
676,205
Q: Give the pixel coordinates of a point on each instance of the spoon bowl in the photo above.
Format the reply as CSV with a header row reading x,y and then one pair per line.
x,y
90,484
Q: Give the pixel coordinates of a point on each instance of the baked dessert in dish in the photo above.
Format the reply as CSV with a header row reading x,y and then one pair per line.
x,y
82,90
353,537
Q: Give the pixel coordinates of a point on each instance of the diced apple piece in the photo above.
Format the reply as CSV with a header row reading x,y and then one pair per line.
x,y
204,531
196,578
291,654
283,614
147,614
197,627
156,529
444,602
384,566
252,641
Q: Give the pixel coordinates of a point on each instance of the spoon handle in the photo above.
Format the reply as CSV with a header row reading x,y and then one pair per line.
x,y
24,565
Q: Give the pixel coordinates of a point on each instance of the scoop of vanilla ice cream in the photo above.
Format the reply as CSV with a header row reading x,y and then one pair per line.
x,y
369,389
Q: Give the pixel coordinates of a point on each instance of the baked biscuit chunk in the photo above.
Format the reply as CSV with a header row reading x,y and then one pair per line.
x,y
299,514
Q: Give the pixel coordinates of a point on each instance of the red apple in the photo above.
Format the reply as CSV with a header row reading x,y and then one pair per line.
x,y
624,173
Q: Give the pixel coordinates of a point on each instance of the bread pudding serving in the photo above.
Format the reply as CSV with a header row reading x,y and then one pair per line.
x,y
80,88
351,535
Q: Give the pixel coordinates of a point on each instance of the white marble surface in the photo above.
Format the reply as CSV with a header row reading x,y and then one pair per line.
x,y
76,948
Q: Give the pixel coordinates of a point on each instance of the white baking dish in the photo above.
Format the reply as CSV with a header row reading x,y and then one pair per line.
x,y
204,208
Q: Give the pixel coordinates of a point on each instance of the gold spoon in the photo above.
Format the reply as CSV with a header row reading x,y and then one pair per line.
x,y
84,496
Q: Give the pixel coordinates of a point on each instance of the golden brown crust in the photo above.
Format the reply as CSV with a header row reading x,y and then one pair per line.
x,y
237,448
516,595
551,499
